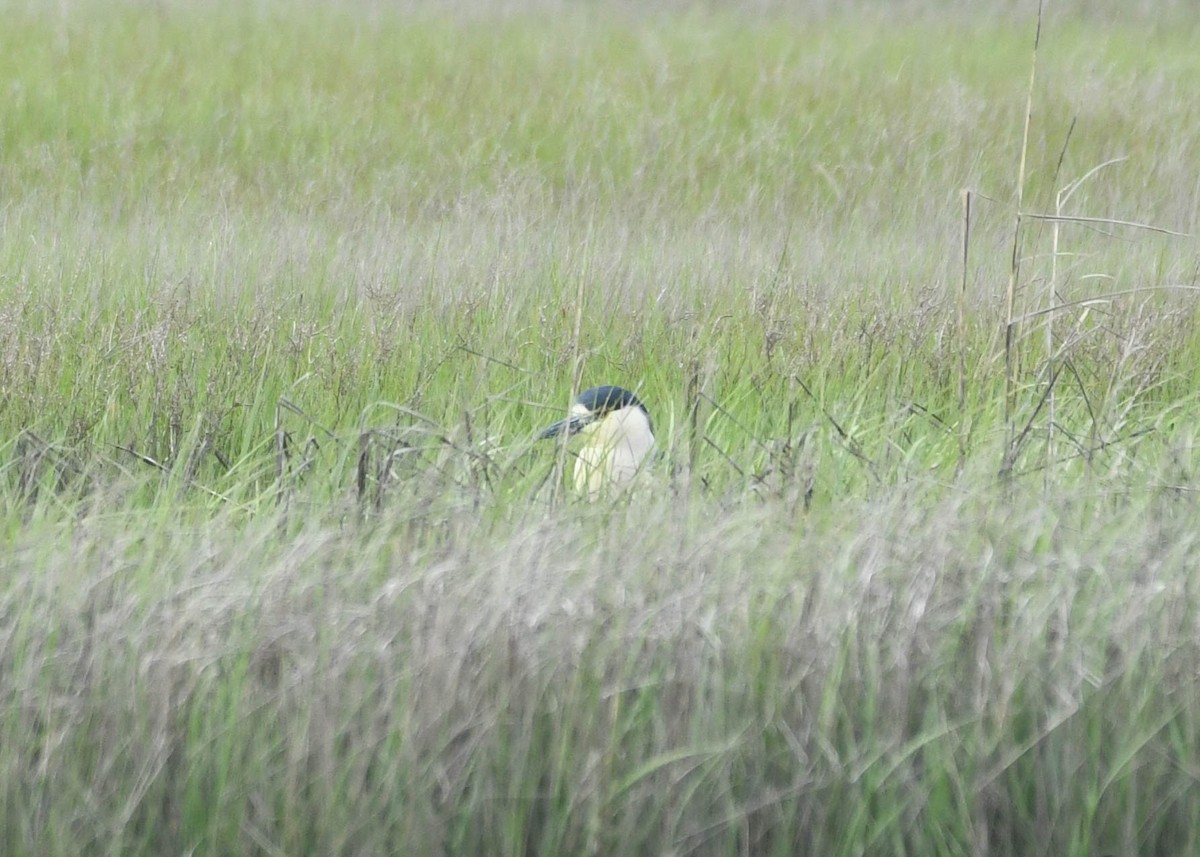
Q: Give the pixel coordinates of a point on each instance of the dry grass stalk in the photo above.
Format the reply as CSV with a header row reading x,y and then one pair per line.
x,y
962,332
1010,325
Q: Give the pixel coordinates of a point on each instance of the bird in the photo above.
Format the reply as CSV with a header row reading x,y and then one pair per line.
x,y
619,432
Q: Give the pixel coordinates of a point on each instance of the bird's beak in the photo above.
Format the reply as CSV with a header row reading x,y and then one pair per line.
x,y
570,425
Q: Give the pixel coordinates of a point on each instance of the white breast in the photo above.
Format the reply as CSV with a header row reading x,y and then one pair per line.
x,y
615,449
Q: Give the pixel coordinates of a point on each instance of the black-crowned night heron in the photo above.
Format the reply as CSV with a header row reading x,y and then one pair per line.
x,y
619,436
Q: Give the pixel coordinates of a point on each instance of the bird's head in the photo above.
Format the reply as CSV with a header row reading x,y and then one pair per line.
x,y
591,407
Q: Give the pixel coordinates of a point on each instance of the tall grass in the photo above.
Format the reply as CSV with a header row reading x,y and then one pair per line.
x,y
287,289
941,676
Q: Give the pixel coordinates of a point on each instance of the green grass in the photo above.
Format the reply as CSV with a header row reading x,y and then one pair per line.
x,y
286,291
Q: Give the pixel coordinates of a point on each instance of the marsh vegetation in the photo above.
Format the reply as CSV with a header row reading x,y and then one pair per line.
x,y
287,289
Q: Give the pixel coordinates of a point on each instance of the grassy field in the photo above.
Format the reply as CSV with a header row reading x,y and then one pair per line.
x,y
287,289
